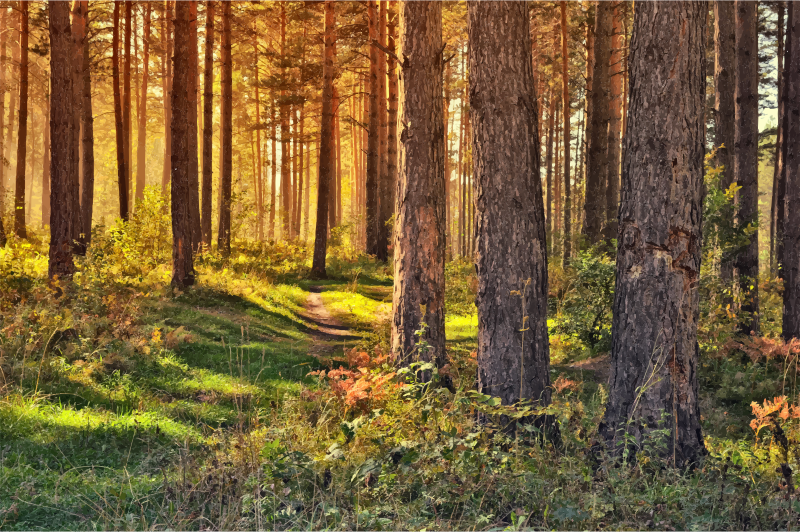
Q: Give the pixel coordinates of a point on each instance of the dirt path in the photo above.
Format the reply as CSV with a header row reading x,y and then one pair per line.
x,y
328,333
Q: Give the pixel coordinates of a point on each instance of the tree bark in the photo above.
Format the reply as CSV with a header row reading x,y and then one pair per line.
x,y
258,173
383,146
780,210
597,129
373,161
4,16
208,124
62,232
419,239
391,135
182,263
126,98
548,162
745,156
46,163
791,238
654,354
141,143
614,124
567,249
274,165
166,42
87,142
14,27
193,89
778,143
122,179
226,122
79,37
511,258
22,124
286,205
326,168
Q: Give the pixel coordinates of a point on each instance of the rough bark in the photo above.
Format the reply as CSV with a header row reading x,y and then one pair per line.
x,y
274,165
286,200
141,142
791,237
182,264
46,164
548,162
419,239
745,156
391,133
79,36
258,173
614,124
194,181
567,248
654,354
384,208
208,125
11,87
87,142
122,179
777,163
126,98
226,121
373,162
22,124
780,210
326,163
3,40
62,232
166,43
597,129
511,258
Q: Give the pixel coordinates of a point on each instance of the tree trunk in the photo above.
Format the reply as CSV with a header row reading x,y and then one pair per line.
x,y
548,162
87,142
182,264
46,163
567,249
791,238
511,258
326,167
373,162
780,210
383,145
193,89
22,124
4,22
745,156
391,136
166,42
79,37
62,232
14,27
778,142
122,181
285,138
419,239
274,165
614,125
258,173
208,124
141,143
597,130
226,122
300,168
654,354
126,98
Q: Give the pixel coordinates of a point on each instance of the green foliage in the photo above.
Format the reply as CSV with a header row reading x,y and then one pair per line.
x,y
461,287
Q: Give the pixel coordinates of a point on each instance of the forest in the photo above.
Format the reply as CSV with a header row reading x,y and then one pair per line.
x,y
395,265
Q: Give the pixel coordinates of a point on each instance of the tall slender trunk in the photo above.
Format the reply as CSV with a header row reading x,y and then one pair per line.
x,y
79,36
22,124
419,237
307,195
780,209
654,353
122,181
87,121
274,165
11,88
126,98
286,205
338,135
447,170
141,142
614,124
182,262
46,162
166,72
391,135
745,157
548,162
791,238
326,168
567,249
383,145
778,143
4,23
300,169
373,161
557,226
193,91
62,232
208,125
226,123
511,254
259,198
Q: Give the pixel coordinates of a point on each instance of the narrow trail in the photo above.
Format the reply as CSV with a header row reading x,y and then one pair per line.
x,y
328,333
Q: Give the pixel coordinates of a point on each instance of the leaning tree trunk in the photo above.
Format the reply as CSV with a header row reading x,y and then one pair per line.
x,y
373,162
654,353
182,264
724,109
62,131
22,124
745,156
419,240
208,125
141,142
122,173
326,161
226,120
791,237
597,129
511,255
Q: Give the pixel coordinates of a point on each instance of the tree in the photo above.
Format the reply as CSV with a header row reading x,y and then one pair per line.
x,y
182,264
419,240
46,166
778,161
226,120
385,210
3,40
614,123
208,125
567,248
791,239
126,98
745,155
87,190
79,37
654,353
122,173
166,78
373,161
62,232
194,182
22,124
511,255
780,200
141,143
326,162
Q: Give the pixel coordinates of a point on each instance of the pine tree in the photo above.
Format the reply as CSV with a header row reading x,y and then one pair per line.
x,y
22,124
226,121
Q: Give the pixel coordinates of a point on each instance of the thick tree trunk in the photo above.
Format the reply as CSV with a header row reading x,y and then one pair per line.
x,y
226,122
208,124
193,89
597,129
745,156
141,142
614,125
791,237
62,232
777,163
654,354
87,142
373,161
326,167
122,180
182,263
567,249
419,239
166,43
511,258
22,124
724,107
